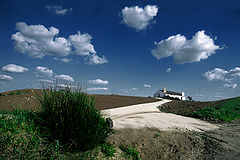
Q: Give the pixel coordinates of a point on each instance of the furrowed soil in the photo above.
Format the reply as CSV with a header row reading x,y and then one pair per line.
x,y
29,100
185,108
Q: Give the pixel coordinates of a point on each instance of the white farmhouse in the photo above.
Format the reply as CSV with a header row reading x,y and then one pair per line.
x,y
164,93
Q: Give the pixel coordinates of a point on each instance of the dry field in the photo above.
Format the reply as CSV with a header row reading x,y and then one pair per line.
x,y
29,100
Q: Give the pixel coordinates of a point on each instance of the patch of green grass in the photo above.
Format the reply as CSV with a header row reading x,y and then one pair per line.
x,y
131,151
108,149
18,93
20,137
227,111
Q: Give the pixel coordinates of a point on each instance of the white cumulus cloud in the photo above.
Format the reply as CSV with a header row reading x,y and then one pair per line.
x,y
98,81
82,43
137,17
221,74
97,89
64,77
14,68
200,47
64,60
44,71
95,59
147,85
216,74
5,77
59,10
230,85
37,41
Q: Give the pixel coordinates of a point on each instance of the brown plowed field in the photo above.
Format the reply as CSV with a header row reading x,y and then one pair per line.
x,y
29,100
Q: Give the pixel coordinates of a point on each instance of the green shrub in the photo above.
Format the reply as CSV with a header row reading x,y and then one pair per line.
x,y
1,94
226,111
11,93
70,116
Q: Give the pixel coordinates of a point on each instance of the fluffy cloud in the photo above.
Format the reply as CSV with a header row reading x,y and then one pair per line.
x,y
59,10
46,81
98,81
44,71
95,59
147,85
216,74
137,17
97,89
235,72
14,68
200,47
221,74
168,70
5,77
82,44
37,41
64,77
64,60
230,85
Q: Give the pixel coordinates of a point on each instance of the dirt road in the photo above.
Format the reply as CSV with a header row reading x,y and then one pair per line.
x,y
148,115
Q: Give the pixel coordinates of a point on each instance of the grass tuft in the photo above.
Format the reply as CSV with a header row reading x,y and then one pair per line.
x,y
70,116
131,151
108,149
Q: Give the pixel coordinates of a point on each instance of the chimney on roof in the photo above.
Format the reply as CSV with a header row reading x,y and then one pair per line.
x,y
183,94
164,89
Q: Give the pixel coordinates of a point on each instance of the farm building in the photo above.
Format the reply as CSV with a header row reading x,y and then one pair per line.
x,y
164,93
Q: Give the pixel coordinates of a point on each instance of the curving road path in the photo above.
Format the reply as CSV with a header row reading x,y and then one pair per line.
x,y
148,115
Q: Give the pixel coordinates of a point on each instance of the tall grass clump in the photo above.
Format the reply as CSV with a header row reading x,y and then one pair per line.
x,y
70,116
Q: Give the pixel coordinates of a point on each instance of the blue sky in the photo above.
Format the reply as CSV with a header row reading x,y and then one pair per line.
x,y
122,47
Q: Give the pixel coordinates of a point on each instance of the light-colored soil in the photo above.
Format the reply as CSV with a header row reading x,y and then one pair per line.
x,y
148,115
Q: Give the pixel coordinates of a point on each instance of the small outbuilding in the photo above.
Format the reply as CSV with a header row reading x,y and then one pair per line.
x,y
164,93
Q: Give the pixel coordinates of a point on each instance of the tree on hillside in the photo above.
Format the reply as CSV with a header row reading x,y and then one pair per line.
x,y
190,98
